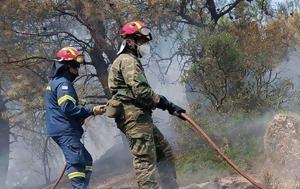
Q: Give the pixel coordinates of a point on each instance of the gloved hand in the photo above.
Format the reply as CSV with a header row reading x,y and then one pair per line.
x,y
99,109
173,109
163,103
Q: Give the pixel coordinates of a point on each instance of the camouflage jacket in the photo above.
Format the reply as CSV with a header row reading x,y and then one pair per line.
x,y
127,82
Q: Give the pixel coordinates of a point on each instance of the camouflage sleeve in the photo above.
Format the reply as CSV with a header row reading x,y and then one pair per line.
x,y
135,78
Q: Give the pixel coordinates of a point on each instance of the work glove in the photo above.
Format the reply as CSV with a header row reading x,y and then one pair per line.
x,y
163,103
99,109
172,108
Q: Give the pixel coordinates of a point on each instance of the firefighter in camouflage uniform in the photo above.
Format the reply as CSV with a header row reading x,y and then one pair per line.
x,y
132,104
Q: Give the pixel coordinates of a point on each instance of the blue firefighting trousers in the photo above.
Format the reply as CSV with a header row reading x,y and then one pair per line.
x,y
78,159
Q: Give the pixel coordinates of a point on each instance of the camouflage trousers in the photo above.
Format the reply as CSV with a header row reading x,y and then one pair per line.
x,y
152,154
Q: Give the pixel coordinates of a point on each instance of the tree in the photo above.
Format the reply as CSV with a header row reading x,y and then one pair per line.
x,y
231,68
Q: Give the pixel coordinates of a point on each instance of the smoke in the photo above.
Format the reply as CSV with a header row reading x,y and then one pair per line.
x,y
290,68
24,167
101,134
164,78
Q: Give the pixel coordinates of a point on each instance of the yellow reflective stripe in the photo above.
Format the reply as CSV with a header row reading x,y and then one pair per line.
x,y
48,88
76,174
88,168
64,98
139,26
72,51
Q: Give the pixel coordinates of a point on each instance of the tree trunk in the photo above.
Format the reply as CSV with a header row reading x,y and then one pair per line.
x,y
4,144
101,70
98,58
102,46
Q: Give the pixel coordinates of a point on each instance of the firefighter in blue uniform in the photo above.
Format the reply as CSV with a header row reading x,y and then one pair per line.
x,y
64,117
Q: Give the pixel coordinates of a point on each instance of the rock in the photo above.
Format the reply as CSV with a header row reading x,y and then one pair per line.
x,y
282,149
234,183
223,183
207,185
282,144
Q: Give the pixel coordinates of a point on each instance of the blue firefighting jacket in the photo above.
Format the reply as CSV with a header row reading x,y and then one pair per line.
x,y
63,114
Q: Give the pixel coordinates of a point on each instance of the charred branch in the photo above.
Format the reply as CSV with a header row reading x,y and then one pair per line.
x,y
68,34
215,14
9,61
183,13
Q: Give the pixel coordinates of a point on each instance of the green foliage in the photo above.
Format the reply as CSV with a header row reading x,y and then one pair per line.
x,y
199,165
233,71
234,68
218,68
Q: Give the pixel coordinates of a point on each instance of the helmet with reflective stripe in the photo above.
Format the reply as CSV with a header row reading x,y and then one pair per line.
x,y
68,54
135,29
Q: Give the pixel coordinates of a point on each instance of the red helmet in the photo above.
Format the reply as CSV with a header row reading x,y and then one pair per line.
x,y
69,53
135,28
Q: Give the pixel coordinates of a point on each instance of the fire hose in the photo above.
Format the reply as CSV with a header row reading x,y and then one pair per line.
x,y
60,176
53,186
215,147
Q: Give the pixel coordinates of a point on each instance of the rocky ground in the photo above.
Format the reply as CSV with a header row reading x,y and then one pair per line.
x,y
126,181
123,176
114,171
